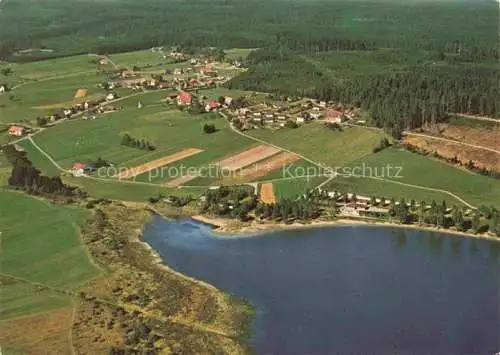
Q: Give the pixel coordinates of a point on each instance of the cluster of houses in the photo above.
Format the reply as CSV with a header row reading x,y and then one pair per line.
x,y
184,98
182,78
277,114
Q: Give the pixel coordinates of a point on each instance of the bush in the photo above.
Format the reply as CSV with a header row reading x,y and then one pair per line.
x,y
291,124
209,128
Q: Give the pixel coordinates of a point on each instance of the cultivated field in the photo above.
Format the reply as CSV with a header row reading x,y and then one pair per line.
x,y
266,166
158,163
247,157
267,193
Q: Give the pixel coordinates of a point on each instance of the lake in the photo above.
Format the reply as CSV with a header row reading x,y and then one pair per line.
x,y
349,289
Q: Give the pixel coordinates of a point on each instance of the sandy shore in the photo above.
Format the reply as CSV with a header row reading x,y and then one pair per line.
x,y
226,227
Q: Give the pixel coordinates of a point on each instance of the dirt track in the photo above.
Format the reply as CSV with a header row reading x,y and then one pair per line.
x,y
132,172
248,157
267,193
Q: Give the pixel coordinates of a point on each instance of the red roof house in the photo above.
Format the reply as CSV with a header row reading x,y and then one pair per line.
x,y
184,98
332,115
212,105
16,131
78,169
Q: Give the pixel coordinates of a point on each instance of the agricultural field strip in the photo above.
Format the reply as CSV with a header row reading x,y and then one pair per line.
x,y
263,167
248,157
143,168
369,177
180,181
267,193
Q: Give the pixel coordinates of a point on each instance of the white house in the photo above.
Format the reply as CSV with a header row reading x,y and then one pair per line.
x,y
110,96
300,119
3,89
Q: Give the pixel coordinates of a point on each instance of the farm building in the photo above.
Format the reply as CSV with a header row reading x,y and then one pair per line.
x,y
16,131
184,98
3,88
78,169
103,61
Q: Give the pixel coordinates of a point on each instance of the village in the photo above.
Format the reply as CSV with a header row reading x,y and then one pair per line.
x,y
186,82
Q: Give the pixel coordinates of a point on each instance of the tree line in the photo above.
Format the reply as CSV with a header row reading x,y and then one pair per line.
x,y
26,177
128,141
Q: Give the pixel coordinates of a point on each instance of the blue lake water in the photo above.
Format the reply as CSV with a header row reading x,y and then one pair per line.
x,y
349,290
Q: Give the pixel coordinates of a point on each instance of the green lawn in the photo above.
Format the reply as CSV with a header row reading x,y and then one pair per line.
x,y
39,241
424,171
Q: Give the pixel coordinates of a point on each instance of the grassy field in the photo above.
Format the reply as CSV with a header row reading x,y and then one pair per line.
x,y
168,129
293,188
127,191
331,148
423,171
37,252
42,98
39,160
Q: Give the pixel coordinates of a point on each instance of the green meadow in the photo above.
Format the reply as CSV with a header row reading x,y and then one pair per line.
x,y
428,172
328,147
168,129
38,251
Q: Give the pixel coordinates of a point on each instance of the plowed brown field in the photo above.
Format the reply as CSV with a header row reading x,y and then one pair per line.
x,y
267,193
248,157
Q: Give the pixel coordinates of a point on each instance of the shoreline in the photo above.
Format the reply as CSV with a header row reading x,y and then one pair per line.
x,y
226,227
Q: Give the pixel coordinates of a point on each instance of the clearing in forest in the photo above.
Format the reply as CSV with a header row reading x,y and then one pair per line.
x,y
267,193
132,172
248,157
